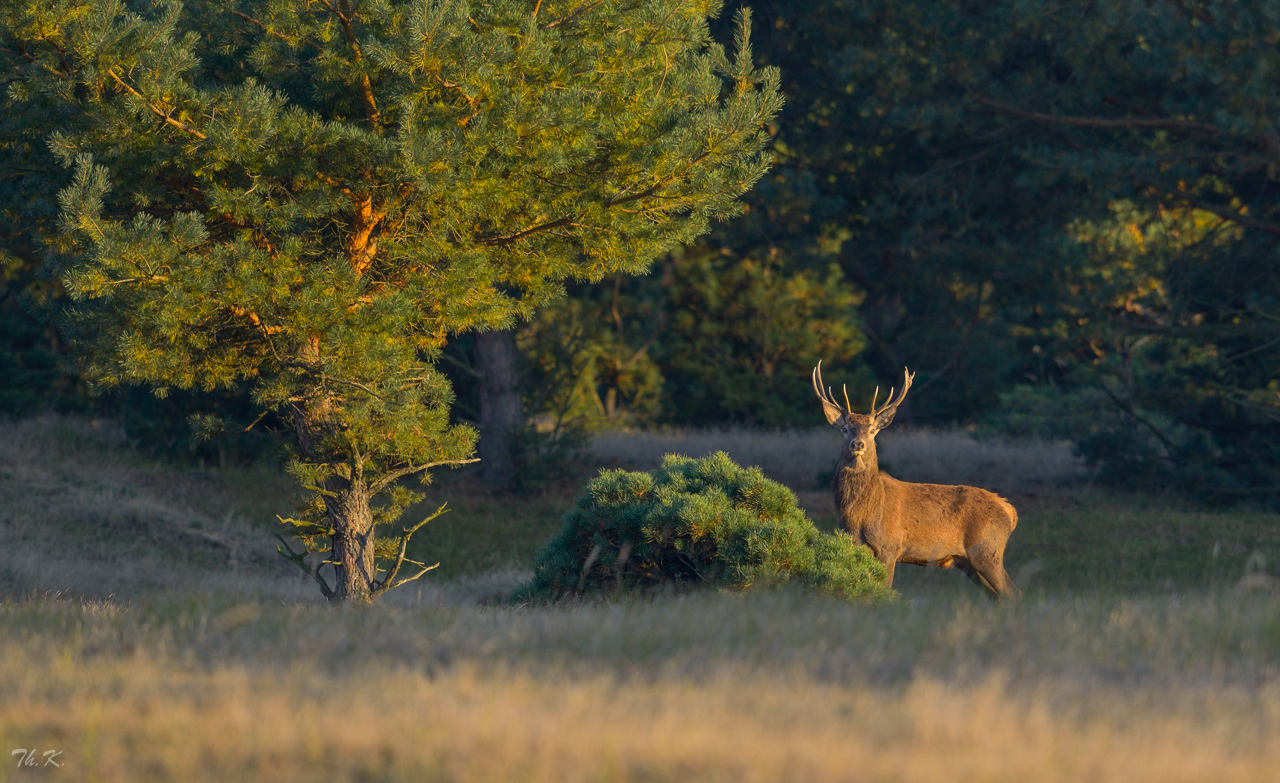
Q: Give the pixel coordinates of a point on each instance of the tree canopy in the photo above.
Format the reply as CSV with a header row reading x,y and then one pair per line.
x,y
313,196
1064,217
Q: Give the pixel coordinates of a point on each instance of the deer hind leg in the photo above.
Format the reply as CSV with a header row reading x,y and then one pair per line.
x,y
989,568
977,578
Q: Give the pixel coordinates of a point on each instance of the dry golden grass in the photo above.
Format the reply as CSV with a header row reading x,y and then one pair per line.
x,y
81,513
765,687
216,662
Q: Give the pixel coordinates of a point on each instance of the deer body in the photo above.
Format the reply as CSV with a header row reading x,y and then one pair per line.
x,y
936,525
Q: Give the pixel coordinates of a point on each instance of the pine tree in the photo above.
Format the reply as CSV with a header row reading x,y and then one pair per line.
x,y
314,196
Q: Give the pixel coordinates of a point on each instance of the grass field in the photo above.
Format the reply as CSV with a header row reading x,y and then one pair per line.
x,y
149,632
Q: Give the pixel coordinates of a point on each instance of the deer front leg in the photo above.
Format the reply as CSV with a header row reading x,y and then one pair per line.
x,y
889,563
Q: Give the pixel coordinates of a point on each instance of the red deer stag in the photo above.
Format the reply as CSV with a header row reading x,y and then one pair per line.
x,y
922,524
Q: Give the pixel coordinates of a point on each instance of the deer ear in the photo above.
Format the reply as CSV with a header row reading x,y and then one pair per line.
x,y
832,412
885,418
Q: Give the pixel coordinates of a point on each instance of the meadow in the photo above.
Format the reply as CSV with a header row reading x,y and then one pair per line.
x,y
149,632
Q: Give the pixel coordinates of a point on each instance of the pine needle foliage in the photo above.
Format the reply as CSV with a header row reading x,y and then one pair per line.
x,y
313,196
697,522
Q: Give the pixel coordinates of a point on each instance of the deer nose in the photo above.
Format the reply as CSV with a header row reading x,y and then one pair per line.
x,y
859,446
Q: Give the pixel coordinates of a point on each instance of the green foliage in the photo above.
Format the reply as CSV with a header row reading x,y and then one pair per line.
x,y
587,359
713,339
744,334
1081,197
1001,194
312,201
1084,199
697,522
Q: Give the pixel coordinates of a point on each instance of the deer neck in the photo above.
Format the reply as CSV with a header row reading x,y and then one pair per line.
x,y
857,487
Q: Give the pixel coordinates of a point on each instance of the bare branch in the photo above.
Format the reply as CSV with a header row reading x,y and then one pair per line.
x,y
352,384
1251,351
390,582
513,238
586,567
1100,122
150,279
464,366
1129,409
255,421
300,561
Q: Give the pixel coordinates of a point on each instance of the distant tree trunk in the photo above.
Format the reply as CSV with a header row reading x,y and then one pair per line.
x,y
501,414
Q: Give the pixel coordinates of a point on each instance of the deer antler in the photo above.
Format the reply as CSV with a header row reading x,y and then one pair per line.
x,y
893,403
827,396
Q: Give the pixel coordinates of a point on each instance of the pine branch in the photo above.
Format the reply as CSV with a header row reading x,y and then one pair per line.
x,y
513,238
182,126
582,9
320,490
390,582
345,17
613,202
396,475
281,36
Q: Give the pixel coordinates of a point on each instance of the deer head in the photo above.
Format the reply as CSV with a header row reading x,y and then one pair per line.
x,y
859,430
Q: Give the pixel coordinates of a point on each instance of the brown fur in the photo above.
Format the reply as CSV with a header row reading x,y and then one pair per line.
x,y
935,525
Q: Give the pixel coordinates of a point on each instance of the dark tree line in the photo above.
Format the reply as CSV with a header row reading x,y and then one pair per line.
x,y
1064,217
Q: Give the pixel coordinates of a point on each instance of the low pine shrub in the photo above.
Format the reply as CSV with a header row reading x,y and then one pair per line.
x,y
695,522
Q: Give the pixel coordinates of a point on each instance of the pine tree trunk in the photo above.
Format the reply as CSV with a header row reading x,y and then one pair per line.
x,y
501,414
349,515
353,540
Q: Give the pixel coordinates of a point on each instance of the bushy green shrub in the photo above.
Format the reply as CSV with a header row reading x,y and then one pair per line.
x,y
696,522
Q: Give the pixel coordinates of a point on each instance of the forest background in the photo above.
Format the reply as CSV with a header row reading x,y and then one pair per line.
x,y
1064,218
